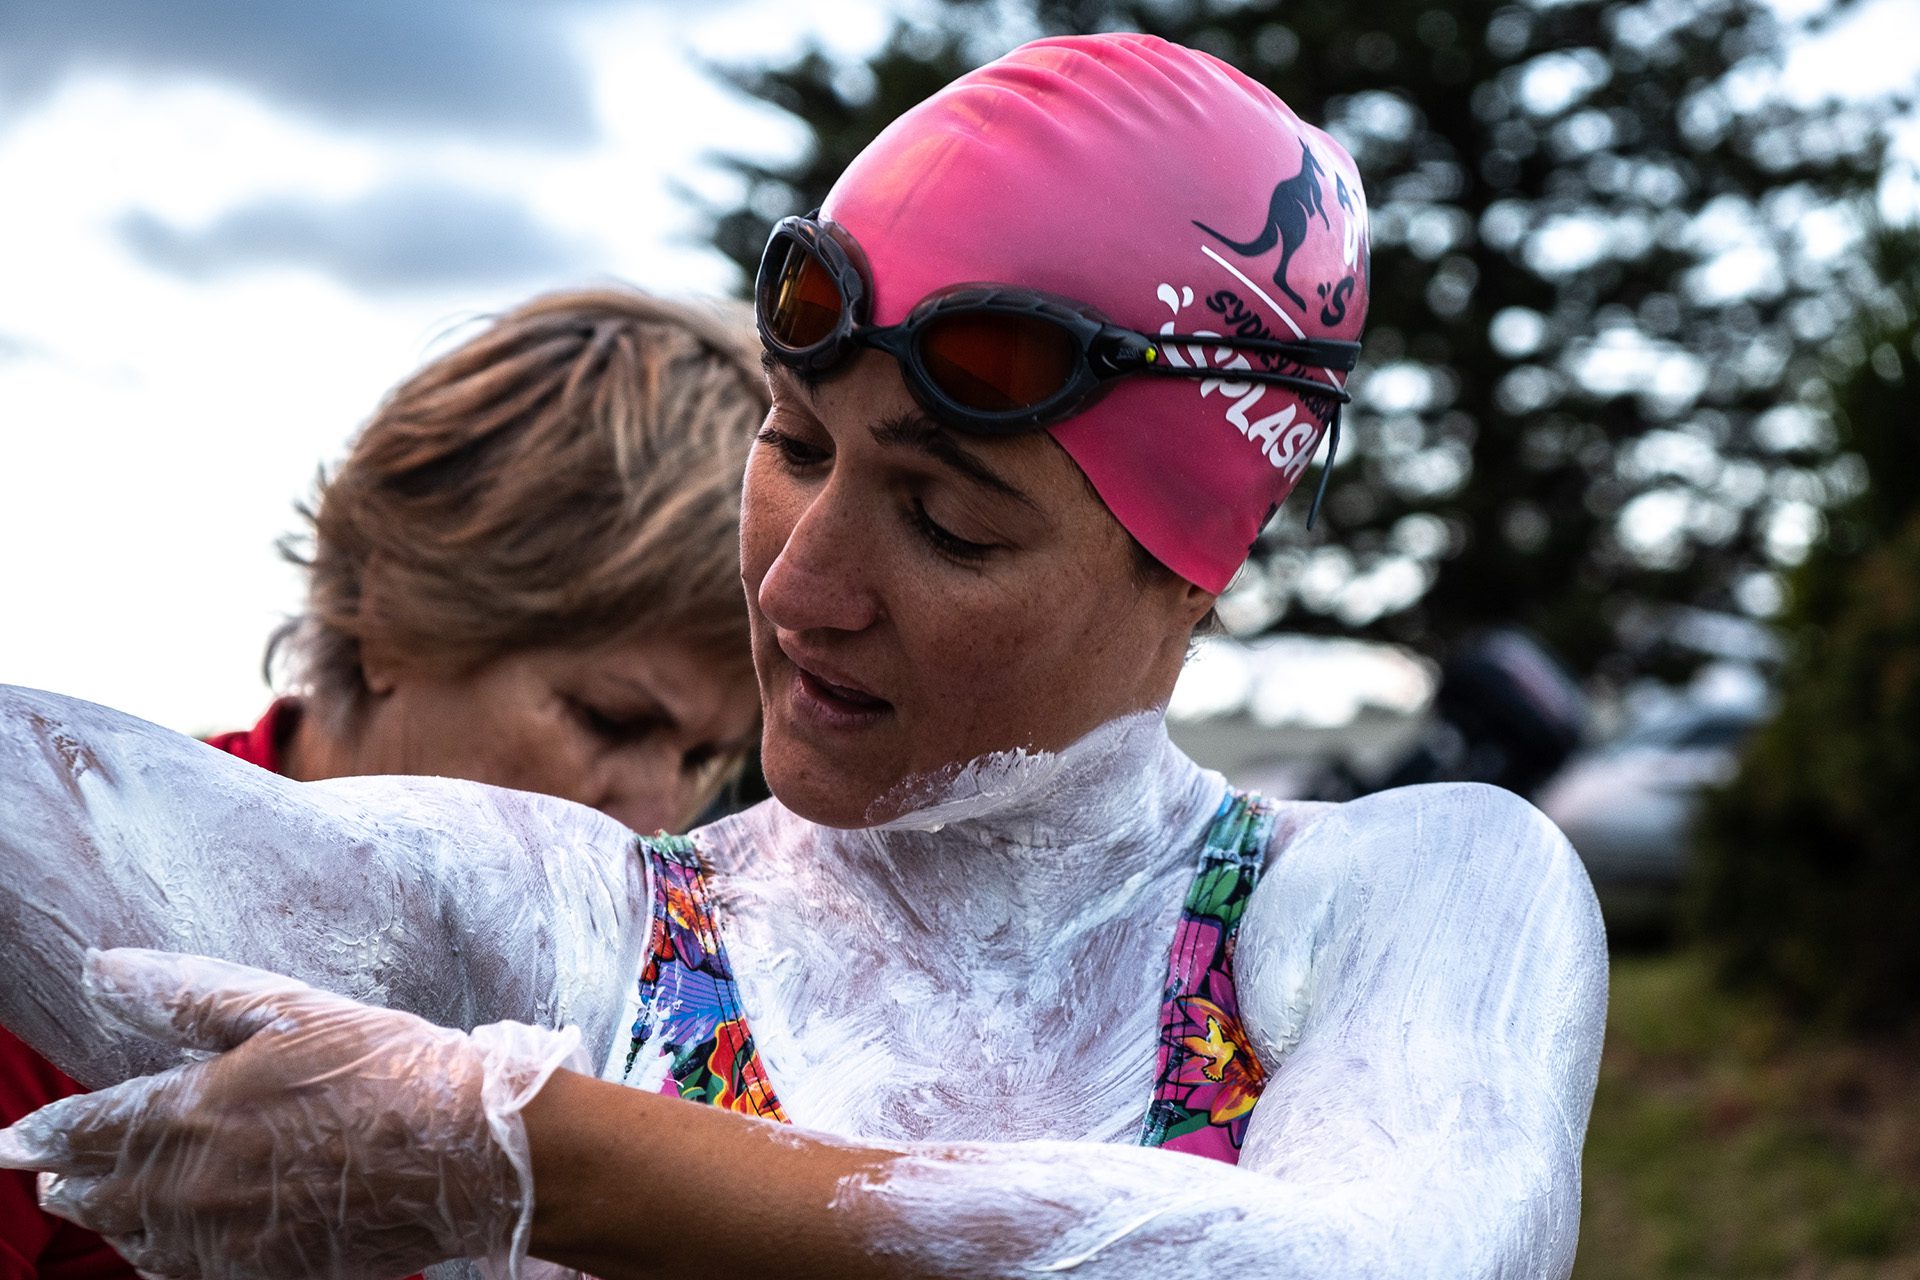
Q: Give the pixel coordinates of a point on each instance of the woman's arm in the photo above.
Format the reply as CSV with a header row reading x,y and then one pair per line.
x,y
1425,973
462,903
639,1186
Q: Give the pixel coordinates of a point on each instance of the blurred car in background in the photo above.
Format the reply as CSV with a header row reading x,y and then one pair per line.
x,y
1504,711
1628,804
1315,719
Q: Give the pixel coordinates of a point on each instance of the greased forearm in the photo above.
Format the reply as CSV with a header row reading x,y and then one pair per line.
x,y
458,902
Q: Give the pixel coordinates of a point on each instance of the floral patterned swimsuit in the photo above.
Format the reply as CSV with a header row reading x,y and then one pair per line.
x,y
1208,1078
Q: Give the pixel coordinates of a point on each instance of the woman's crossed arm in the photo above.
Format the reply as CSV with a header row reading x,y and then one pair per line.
x,y
458,902
1423,970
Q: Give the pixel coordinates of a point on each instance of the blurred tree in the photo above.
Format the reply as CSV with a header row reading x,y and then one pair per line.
x,y
1808,878
1602,243
842,106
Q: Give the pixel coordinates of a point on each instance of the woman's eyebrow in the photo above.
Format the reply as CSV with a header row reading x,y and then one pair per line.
x,y
781,376
917,431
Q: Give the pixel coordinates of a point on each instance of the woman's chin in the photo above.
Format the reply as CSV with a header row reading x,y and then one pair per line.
x,y
814,789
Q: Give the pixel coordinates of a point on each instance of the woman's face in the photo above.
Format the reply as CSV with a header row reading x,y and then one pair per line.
x,y
643,730
921,597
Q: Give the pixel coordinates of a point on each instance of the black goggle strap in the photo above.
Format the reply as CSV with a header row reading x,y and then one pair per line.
x,y
1127,351
1322,353
1143,354
1293,382
1312,353
1333,449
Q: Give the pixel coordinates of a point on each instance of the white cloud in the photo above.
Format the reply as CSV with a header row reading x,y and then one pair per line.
x,y
156,431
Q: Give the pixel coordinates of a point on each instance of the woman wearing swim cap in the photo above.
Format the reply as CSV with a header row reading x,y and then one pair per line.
x,y
1036,993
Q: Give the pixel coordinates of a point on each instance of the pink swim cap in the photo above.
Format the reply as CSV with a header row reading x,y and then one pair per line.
x,y
1174,194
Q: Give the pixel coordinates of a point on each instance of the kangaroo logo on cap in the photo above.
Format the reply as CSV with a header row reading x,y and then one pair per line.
x,y
1294,202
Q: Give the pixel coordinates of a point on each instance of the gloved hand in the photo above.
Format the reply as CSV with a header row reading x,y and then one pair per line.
x,y
327,1139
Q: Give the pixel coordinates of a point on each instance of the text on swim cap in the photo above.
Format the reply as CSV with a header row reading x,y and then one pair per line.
x,y
1286,437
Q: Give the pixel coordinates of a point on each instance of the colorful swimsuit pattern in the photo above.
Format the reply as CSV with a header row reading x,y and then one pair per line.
x,y
1207,1077
688,997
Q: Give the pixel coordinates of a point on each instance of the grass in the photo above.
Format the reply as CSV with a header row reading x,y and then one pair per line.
x,y
1726,1144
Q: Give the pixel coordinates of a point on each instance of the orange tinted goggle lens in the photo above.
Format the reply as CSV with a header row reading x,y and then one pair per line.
x,y
997,363
805,305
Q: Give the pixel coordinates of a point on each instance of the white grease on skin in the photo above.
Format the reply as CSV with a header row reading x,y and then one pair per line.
x,y
460,902
988,966
1424,973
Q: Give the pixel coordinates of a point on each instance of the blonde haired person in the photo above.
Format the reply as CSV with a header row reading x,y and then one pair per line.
x,y
526,571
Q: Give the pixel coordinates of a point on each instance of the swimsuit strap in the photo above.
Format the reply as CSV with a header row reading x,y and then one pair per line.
x,y
1209,1078
689,1007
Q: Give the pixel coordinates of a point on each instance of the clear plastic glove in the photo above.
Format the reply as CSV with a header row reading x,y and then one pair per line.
x,y
327,1138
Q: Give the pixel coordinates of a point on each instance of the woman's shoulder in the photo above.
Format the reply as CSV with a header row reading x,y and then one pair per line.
x,y
1425,900
1426,861
1469,824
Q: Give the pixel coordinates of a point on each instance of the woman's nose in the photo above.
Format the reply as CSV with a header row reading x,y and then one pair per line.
x,y
824,574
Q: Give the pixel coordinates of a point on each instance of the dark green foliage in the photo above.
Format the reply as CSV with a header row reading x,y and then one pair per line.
x,y
1607,441
1728,1144
1809,868
844,108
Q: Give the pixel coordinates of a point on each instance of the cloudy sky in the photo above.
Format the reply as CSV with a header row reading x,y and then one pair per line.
x,y
226,226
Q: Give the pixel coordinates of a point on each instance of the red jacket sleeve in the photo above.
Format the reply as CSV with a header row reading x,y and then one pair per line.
x,y
35,1245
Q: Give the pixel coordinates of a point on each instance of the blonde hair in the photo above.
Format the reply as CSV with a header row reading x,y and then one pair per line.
x,y
569,476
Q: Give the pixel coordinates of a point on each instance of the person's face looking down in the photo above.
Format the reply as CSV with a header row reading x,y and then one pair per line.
x,y
919,597
644,730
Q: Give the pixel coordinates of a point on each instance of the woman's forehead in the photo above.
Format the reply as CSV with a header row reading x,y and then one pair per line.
x,y
867,404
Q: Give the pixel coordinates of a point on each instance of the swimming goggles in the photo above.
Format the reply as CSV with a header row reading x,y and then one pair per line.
x,y
995,359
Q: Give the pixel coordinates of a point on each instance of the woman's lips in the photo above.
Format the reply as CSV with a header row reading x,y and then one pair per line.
x,y
832,703
845,693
